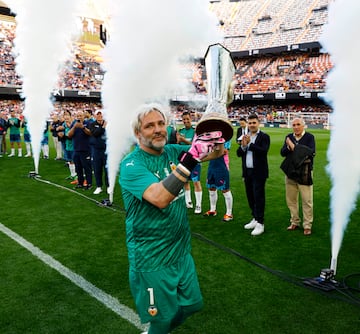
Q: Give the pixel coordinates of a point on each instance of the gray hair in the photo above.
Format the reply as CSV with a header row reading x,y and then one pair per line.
x,y
143,111
301,120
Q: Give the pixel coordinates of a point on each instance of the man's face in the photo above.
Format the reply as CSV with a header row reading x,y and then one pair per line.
x,y
298,126
253,125
152,134
187,121
243,124
80,116
99,117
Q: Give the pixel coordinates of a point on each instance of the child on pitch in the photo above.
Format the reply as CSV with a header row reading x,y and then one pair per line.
x,y
218,178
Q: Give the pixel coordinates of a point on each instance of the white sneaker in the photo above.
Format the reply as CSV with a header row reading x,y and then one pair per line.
x,y
251,225
97,191
28,155
189,205
11,155
197,209
259,229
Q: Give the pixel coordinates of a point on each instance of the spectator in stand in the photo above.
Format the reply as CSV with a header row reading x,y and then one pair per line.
x,y
218,178
186,136
299,145
54,125
253,151
80,135
3,129
98,136
14,124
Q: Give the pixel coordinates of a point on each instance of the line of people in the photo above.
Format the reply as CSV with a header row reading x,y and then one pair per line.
x,y
83,141
253,148
79,139
13,125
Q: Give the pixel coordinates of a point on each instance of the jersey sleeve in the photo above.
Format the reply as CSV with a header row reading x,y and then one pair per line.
x,y
135,177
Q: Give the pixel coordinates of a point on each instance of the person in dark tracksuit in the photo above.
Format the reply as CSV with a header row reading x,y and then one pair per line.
x,y
99,157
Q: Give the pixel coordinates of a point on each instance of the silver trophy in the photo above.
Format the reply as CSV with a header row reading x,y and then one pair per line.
x,y
220,70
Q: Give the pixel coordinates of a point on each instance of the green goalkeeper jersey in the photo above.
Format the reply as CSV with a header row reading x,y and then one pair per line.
x,y
156,238
188,134
14,124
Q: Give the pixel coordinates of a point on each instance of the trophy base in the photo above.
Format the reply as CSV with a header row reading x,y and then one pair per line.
x,y
215,122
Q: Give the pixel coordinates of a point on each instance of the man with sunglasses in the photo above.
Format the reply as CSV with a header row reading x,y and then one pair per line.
x,y
253,150
299,143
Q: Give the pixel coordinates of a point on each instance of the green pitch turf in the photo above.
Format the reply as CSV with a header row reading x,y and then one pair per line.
x,y
250,284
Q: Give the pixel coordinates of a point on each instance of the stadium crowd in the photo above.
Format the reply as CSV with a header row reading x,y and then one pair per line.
x,y
298,72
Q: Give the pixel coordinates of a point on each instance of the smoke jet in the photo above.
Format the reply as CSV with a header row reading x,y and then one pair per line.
x,y
44,32
141,60
339,39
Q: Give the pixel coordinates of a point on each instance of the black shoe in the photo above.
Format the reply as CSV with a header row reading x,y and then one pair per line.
x,y
87,187
79,186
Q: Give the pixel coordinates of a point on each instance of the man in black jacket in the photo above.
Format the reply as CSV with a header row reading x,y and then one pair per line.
x,y
253,150
294,186
99,157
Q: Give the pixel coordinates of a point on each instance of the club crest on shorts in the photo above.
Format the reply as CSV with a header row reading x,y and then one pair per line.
x,y
152,310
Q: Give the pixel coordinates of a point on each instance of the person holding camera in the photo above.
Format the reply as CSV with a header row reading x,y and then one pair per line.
x,y
80,134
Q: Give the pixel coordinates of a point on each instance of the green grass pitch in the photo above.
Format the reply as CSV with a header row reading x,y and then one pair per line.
x,y
250,284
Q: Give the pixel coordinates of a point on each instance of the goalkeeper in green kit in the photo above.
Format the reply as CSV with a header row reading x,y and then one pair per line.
x,y
162,272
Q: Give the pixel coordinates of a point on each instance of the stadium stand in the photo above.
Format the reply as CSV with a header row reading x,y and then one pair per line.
x,y
274,44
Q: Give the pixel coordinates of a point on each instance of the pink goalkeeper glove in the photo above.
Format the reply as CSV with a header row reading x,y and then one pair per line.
x,y
204,144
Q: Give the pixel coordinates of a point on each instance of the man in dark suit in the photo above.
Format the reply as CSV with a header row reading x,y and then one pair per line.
x,y
253,150
242,129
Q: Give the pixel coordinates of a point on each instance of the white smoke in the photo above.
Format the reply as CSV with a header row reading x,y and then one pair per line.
x,y
141,60
44,31
340,40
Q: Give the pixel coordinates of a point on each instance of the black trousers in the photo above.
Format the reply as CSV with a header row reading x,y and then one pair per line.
x,y
82,161
99,165
255,193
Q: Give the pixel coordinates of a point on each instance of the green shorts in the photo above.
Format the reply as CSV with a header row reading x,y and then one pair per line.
x,y
159,294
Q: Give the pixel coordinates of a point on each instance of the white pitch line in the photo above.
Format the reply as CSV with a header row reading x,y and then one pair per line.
x,y
106,299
